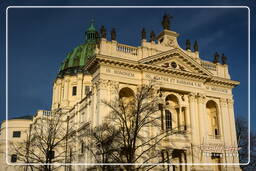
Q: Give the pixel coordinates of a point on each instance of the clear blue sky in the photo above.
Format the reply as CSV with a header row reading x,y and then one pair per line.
x,y
39,40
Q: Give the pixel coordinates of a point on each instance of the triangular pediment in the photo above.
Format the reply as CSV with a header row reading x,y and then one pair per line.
x,y
178,60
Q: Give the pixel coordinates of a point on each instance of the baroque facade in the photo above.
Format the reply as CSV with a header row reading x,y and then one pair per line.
x,y
195,95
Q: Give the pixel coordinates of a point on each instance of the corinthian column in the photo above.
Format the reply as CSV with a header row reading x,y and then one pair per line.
x,y
194,128
202,116
225,126
232,126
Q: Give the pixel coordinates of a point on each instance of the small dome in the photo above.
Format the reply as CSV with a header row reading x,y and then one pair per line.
x,y
78,57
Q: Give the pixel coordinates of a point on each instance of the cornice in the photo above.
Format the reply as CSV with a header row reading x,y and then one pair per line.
x,y
110,60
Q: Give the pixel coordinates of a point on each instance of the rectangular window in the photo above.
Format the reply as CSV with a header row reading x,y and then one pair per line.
x,y
16,134
168,120
82,147
13,158
74,91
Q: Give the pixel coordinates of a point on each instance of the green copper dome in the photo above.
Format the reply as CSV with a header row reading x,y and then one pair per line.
x,y
78,57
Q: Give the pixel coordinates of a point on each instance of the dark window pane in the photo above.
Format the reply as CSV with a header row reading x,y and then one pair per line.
x,y
74,91
168,120
16,134
14,158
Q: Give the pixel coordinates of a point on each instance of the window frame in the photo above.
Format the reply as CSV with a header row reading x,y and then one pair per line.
x,y
74,90
14,158
17,135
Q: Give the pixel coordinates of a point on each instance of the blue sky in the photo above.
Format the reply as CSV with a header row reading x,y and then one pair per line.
x,y
39,40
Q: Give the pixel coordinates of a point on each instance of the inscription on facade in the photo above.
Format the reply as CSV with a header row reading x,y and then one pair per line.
x,y
217,89
185,82
173,80
120,72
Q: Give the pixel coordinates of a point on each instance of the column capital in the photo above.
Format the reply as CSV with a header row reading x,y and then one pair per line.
x,y
192,97
201,98
223,102
113,84
230,102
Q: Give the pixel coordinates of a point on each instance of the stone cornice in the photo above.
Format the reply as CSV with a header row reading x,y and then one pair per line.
x,y
209,79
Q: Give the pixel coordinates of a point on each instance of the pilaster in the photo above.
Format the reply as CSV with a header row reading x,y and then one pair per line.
x,y
194,128
231,115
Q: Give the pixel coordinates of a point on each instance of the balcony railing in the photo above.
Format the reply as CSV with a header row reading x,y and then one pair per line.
x,y
127,49
209,65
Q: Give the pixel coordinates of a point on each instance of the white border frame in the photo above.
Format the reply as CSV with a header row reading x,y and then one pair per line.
x,y
90,164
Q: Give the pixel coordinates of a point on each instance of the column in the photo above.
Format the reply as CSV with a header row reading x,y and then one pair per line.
x,y
224,121
202,117
232,126
102,94
187,119
179,118
66,93
80,88
194,128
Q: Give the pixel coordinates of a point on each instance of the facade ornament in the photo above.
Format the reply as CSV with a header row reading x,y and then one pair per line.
x,y
224,59
223,102
230,102
201,98
196,46
113,34
166,22
192,97
152,36
114,85
103,32
188,44
143,34
216,58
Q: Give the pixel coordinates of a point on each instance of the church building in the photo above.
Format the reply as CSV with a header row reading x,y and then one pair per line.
x,y
195,94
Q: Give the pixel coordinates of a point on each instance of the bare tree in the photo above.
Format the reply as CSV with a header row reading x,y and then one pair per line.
x,y
102,145
46,142
242,140
136,117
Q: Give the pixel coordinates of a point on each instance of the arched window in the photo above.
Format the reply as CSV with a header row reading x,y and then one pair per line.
x,y
213,119
172,113
126,94
168,120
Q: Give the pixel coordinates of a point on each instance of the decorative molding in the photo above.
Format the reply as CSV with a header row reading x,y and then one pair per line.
x,y
192,97
230,102
201,98
223,102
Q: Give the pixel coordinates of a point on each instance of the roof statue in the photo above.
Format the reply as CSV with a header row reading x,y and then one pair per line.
x,y
143,34
152,36
216,58
103,32
188,44
113,34
195,46
166,21
224,59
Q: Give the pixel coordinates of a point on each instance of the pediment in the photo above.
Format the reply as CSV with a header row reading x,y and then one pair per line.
x,y
176,59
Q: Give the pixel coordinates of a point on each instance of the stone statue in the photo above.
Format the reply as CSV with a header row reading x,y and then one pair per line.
x,y
188,44
224,59
143,34
103,32
152,36
216,58
113,34
195,46
166,21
